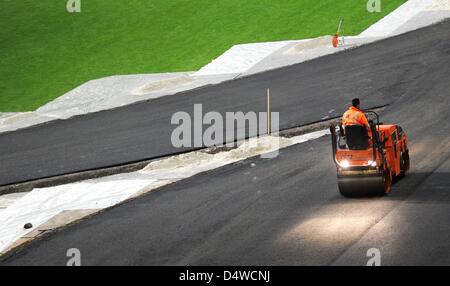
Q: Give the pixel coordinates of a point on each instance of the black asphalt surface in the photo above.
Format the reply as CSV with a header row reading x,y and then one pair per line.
x,y
287,210
378,73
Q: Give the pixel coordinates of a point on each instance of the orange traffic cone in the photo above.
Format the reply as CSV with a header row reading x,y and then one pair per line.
x,y
336,40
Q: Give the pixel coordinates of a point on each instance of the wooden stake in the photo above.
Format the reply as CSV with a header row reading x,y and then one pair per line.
x,y
269,123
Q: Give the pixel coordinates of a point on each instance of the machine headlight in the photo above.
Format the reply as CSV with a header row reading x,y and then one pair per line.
x,y
372,163
345,164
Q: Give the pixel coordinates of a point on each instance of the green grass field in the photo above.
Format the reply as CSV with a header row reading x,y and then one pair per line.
x,y
46,51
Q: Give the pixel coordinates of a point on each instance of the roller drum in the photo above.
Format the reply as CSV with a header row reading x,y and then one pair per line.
x,y
360,186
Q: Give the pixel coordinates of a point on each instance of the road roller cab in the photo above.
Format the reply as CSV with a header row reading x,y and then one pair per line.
x,y
367,165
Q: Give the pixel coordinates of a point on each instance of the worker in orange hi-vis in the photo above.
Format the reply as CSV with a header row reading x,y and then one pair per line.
x,y
355,116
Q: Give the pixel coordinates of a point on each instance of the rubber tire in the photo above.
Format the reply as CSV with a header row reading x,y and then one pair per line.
x,y
404,163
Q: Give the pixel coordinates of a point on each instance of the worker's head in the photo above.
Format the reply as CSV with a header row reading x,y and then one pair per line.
x,y
356,103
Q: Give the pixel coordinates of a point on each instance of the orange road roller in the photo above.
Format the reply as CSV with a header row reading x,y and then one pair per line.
x,y
367,164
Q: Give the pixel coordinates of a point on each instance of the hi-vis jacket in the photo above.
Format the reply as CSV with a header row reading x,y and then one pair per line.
x,y
354,116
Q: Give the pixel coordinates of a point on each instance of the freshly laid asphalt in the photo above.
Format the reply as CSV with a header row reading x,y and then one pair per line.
x,y
283,211
287,210
378,73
